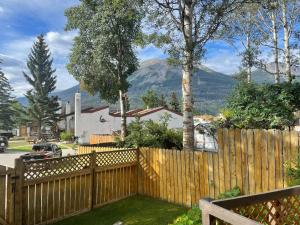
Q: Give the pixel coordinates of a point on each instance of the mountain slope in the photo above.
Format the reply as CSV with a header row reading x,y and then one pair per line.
x,y
210,88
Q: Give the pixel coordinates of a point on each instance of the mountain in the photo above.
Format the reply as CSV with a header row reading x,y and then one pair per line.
x,y
210,88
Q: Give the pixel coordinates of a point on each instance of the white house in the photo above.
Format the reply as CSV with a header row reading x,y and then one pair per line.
x,y
101,121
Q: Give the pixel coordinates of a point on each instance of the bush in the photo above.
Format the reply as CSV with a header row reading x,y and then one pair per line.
x,y
192,217
293,174
152,134
66,136
234,192
267,106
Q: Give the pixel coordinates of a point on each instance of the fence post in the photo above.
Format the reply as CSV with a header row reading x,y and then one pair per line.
x,y
19,169
92,188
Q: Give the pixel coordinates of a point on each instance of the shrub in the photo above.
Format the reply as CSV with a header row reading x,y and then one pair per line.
x,y
152,134
267,106
234,192
293,173
192,217
66,136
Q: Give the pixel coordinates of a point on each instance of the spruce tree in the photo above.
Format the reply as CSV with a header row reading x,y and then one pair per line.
x,y
42,108
6,110
174,103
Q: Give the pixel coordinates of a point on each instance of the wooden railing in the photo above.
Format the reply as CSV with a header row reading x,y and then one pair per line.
x,y
273,208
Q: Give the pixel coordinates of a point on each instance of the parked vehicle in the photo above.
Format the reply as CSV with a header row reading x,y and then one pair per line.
x,y
4,140
43,151
3,144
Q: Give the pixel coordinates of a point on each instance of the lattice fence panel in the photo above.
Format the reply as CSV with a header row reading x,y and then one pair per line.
x,y
51,167
116,157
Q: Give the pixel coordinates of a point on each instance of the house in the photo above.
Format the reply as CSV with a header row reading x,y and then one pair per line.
x,y
101,121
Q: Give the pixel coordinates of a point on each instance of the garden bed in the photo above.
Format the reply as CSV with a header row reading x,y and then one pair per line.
x,y
135,210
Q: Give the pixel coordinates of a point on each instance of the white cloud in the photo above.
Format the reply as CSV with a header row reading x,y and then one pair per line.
x,y
1,10
223,61
15,55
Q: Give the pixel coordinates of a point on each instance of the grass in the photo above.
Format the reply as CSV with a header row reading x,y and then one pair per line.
x,y
135,210
26,147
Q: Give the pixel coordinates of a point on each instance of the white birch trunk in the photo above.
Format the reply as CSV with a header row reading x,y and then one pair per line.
x,y
275,45
249,72
287,56
188,120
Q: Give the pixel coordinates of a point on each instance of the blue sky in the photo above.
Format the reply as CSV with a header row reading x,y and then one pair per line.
x,y
22,20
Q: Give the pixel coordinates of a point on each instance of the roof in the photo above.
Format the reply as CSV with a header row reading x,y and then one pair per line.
x,y
87,110
145,112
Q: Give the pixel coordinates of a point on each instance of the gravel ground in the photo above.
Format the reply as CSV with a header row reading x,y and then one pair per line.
x,y
8,158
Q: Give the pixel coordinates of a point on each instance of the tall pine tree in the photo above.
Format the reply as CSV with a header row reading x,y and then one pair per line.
x,y
6,110
42,108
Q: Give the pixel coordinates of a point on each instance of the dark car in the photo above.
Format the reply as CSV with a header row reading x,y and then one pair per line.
x,y
43,151
3,144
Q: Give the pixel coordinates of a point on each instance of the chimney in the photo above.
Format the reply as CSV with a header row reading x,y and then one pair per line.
x,y
77,113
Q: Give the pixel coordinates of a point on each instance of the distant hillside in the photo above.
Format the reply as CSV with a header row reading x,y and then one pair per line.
x,y
210,87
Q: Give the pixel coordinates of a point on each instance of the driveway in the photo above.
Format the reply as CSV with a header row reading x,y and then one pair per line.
x,y
8,158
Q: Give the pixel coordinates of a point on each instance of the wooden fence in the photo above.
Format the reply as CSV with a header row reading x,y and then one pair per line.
x,y
83,149
50,190
100,139
6,194
253,160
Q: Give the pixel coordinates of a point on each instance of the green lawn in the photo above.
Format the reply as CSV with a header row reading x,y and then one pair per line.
x,y
131,211
25,146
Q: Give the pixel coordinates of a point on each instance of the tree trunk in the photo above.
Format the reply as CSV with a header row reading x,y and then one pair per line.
x,y
249,59
123,115
188,121
39,130
275,45
288,71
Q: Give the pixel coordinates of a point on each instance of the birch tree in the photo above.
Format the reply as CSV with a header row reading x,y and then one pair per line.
x,y
290,22
103,54
183,27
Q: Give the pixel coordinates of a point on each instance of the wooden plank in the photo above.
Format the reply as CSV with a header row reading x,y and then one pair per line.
x,y
179,182
221,159
238,164
197,177
244,150
192,179
278,160
258,161
232,158
286,153
264,160
172,177
271,160
31,205
216,175
2,192
176,177
38,204
211,175
251,161
226,160
205,173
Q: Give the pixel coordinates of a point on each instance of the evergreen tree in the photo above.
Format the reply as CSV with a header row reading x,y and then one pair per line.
x,y
42,108
174,103
150,99
162,101
6,110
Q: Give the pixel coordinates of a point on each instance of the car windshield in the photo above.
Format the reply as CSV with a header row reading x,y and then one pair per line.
x,y
46,148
